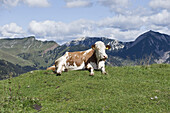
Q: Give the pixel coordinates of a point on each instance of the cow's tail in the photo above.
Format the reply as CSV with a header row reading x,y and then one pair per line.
x,y
53,68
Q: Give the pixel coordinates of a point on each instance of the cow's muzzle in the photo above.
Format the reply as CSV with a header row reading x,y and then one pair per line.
x,y
104,58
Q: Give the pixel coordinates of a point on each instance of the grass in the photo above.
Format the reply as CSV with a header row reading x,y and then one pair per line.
x,y
14,59
125,89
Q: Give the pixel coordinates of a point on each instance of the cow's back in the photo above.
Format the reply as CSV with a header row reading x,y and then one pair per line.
x,y
78,60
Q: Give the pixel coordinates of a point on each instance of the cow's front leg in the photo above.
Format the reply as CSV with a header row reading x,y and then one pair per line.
x,y
90,67
101,66
103,70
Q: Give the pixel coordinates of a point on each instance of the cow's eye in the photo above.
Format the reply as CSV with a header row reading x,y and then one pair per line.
x,y
97,48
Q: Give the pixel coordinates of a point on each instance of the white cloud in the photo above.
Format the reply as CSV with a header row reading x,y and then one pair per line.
x,y
118,6
9,2
48,28
78,3
32,3
58,30
123,22
121,27
160,4
37,3
161,19
11,30
118,27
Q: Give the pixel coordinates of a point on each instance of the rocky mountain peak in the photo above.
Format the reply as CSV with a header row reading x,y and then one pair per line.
x,y
88,41
152,37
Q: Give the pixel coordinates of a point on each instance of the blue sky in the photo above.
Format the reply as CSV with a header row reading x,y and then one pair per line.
x,y
64,20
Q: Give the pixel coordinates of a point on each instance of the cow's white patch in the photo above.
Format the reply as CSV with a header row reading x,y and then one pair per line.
x,y
89,66
101,64
87,51
84,58
75,67
82,66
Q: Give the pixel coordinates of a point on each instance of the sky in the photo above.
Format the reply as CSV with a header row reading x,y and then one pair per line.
x,y
65,20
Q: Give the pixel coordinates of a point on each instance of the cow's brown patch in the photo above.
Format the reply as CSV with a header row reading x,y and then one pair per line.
x,y
79,57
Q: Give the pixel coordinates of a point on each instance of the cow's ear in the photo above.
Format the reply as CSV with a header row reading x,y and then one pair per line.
x,y
93,46
108,47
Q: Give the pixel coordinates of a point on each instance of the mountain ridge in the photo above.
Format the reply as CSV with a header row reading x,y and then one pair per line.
x,y
150,44
89,41
150,47
145,35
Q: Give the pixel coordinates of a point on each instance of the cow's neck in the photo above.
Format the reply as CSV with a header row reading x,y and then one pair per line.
x,y
91,56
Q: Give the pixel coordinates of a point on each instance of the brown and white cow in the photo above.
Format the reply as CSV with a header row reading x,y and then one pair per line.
x,y
90,59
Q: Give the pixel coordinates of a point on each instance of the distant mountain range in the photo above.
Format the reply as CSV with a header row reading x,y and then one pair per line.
x,y
150,47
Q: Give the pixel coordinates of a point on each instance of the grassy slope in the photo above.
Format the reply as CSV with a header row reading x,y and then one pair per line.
x,y
13,50
124,89
14,59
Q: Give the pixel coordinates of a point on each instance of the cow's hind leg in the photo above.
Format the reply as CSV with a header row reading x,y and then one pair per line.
x,y
59,66
59,70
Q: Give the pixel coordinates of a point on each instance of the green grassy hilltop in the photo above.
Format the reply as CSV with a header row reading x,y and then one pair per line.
x,y
125,89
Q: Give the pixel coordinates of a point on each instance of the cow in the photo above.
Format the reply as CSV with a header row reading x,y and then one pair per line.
x,y
93,58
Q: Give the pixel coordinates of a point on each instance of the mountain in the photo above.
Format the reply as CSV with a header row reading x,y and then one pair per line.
x,y
151,45
8,69
89,41
25,51
21,55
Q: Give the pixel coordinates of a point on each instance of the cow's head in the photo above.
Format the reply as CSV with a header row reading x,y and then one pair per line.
x,y
100,48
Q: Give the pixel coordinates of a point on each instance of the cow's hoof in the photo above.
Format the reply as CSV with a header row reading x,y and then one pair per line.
x,y
58,74
91,74
66,70
104,73
54,72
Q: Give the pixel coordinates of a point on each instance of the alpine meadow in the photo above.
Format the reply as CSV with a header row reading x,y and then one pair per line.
x,y
85,56
131,85
125,89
